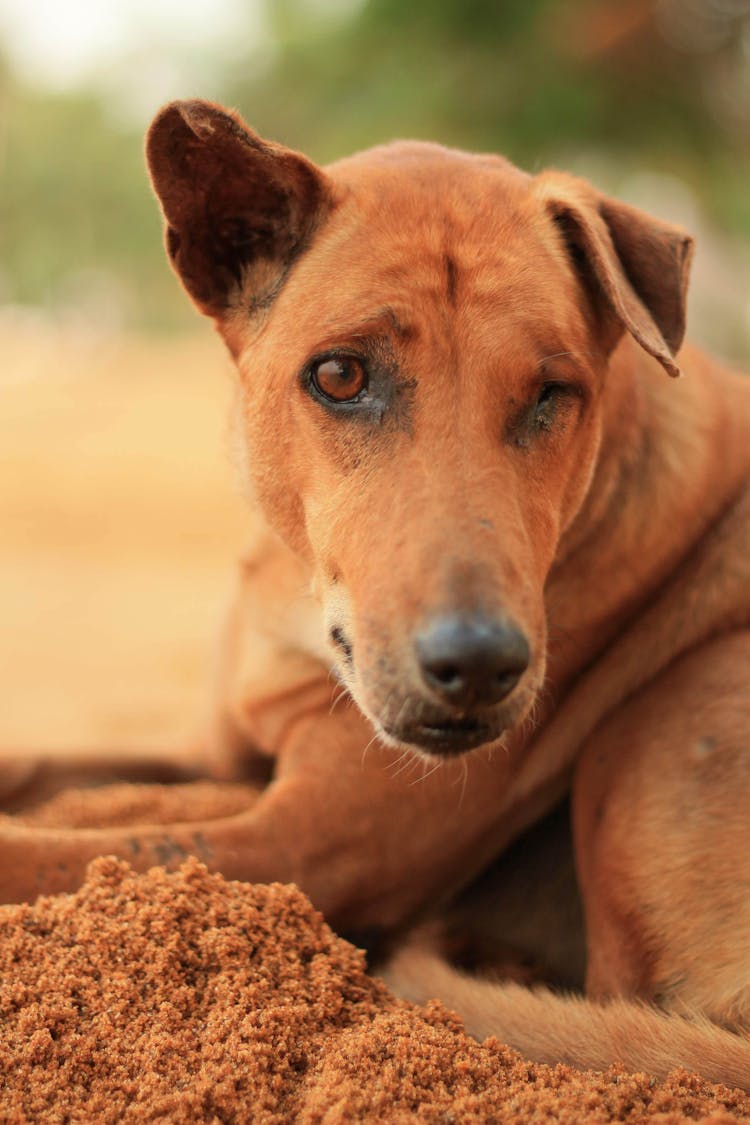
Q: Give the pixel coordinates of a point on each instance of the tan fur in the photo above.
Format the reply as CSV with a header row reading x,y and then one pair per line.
x,y
552,1028
611,529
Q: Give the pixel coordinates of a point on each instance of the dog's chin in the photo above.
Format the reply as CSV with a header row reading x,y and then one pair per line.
x,y
446,739
411,724
449,736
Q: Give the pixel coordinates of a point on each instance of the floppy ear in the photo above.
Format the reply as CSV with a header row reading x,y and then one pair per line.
x,y
238,210
632,264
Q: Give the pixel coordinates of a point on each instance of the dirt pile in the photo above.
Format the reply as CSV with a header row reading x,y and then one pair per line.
x,y
126,803
183,997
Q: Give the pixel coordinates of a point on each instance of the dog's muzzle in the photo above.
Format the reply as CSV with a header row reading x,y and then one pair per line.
x,y
468,665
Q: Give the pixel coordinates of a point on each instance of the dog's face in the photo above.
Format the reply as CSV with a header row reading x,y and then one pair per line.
x,y
422,338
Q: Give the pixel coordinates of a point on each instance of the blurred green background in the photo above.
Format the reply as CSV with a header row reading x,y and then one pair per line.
x,y
649,98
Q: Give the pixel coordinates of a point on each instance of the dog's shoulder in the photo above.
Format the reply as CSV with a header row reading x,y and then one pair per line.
x,y
273,639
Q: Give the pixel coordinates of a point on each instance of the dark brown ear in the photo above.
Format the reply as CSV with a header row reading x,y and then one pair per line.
x,y
238,209
634,265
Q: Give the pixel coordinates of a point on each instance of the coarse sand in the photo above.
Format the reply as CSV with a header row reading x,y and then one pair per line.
x,y
182,997
132,804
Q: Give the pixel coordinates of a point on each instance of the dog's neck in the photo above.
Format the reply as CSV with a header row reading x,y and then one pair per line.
x,y
615,556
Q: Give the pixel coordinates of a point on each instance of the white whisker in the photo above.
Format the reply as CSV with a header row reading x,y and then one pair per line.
x,y
337,698
429,773
367,747
464,779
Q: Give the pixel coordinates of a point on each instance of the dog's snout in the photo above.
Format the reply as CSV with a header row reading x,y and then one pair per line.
x,y
471,661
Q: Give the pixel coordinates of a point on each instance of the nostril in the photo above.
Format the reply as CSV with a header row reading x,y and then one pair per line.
x,y
470,660
447,674
507,680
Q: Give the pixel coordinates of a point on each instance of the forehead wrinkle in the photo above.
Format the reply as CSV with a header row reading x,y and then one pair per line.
x,y
381,322
471,260
405,284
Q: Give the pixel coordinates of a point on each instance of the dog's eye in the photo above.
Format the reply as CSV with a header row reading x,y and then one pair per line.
x,y
547,403
339,378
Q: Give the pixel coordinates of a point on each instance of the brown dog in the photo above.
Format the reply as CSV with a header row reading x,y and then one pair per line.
x,y
506,532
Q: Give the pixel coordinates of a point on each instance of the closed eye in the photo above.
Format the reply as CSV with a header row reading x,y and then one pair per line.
x,y
551,397
554,403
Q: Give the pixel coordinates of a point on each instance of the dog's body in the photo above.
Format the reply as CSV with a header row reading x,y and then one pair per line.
x,y
521,540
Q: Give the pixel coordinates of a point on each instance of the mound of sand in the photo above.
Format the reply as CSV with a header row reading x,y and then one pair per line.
x,y
184,997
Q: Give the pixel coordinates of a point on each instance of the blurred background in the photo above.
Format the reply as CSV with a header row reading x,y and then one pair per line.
x,y
118,512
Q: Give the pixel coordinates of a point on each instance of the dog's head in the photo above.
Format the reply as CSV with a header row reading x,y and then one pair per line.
x,y
422,337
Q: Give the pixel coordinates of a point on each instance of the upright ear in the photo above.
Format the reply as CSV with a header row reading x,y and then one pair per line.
x,y
633,265
238,210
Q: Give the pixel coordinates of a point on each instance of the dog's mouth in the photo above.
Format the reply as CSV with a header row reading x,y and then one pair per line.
x,y
419,718
446,737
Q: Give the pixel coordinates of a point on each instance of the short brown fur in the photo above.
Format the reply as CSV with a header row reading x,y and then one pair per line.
x,y
607,517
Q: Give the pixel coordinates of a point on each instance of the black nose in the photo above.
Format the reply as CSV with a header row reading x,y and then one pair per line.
x,y
470,660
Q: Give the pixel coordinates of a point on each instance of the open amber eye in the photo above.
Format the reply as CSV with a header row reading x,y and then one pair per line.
x,y
340,379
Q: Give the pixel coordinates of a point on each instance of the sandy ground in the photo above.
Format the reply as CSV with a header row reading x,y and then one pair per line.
x,y
120,518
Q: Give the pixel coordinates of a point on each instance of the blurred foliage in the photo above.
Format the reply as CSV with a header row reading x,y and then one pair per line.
x,y
536,79
75,211
596,85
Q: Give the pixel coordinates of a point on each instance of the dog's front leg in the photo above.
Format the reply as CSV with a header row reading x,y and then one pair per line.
x,y
372,835
661,802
